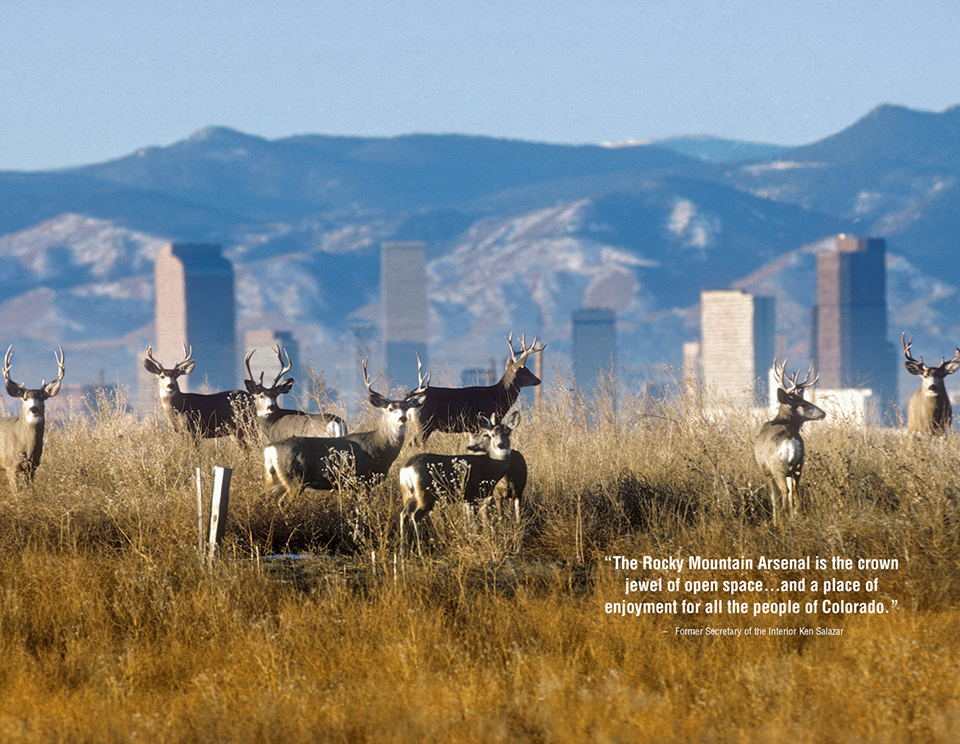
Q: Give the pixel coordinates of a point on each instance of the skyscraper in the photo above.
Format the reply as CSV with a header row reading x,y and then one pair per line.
x,y
403,289
594,348
849,335
736,343
195,306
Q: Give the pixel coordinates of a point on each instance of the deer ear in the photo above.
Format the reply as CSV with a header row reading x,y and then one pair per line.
x,y
513,420
286,386
913,368
152,367
416,401
52,388
185,368
13,389
251,386
951,367
783,396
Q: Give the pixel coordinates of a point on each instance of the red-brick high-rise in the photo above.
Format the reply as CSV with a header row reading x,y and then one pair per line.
x,y
849,340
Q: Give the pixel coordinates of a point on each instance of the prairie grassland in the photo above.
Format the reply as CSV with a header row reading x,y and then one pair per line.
x,y
113,630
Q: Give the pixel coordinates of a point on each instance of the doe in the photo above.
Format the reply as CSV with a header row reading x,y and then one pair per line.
x,y
425,476
514,483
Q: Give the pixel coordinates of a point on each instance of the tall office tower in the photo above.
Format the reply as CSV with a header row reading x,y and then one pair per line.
x,y
403,289
195,306
850,319
594,349
736,343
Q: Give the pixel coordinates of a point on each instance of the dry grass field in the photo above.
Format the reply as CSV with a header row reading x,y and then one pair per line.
x,y
113,630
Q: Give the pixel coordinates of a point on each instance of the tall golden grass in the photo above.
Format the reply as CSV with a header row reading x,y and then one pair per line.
x,y
112,629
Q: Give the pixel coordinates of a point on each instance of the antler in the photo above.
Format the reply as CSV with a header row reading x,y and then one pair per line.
x,y
956,358
369,383
60,368
284,367
791,384
7,361
422,382
188,355
180,368
150,355
906,349
246,362
906,353
525,351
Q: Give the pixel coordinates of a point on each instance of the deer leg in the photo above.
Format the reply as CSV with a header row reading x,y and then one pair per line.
x,y
416,530
483,511
778,492
356,532
791,495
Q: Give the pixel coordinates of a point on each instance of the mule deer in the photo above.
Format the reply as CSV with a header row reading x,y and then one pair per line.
x,y
779,447
299,462
459,409
281,423
425,476
203,416
21,437
929,411
513,484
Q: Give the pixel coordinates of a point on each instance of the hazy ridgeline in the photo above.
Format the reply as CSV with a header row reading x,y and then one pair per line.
x,y
112,629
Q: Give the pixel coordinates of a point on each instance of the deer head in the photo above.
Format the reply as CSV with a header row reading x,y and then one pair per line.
x,y
266,397
516,372
395,411
790,394
33,398
167,377
931,378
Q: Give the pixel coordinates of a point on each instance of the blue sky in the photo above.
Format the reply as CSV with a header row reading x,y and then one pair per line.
x,y
83,81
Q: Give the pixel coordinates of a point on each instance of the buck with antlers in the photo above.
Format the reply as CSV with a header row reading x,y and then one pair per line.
x,y
425,476
459,409
298,462
21,437
203,416
282,423
929,412
779,447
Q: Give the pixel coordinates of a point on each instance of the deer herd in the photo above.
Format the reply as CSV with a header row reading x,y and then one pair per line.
x,y
314,450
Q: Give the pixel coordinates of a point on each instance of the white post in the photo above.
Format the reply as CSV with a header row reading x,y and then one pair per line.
x,y
218,508
200,510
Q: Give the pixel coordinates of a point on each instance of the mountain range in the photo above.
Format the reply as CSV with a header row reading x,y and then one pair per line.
x,y
519,235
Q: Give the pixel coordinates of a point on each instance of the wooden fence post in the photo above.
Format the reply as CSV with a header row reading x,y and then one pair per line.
x,y
218,508
200,536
